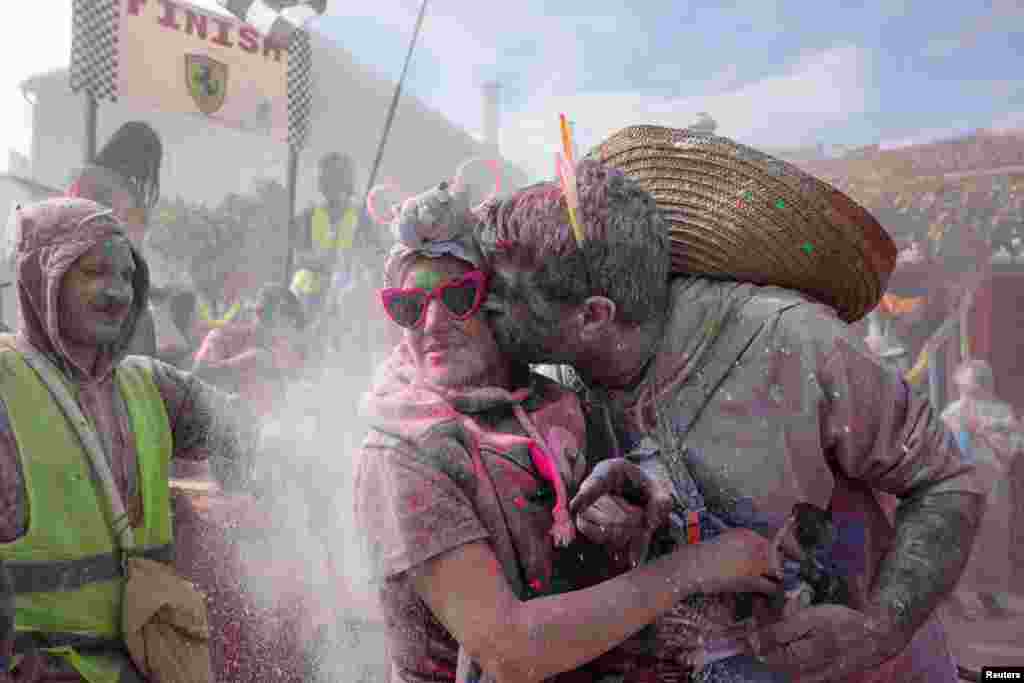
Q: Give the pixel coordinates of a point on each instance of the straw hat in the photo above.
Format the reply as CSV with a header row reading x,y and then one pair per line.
x,y
736,213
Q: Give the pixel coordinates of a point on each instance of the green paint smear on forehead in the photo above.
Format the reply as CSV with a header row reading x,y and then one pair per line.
x,y
427,279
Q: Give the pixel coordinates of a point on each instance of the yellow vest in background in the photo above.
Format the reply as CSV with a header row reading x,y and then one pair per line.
x,y
206,315
339,236
326,239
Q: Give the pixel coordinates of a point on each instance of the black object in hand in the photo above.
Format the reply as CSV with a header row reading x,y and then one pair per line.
x,y
816,534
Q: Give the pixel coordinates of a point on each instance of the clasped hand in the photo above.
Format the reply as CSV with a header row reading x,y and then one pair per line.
x,y
619,506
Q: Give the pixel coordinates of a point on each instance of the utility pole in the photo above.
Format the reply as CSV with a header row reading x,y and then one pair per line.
x,y
90,111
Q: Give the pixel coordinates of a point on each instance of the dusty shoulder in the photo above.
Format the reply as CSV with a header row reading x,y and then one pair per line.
x,y
806,322
443,447
174,384
160,370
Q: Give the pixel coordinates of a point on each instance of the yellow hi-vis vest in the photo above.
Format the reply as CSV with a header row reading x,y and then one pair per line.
x,y
325,241
341,236
206,315
67,574
306,282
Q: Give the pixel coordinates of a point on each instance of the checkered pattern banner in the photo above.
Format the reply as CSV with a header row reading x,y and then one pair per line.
x,y
175,57
300,88
94,47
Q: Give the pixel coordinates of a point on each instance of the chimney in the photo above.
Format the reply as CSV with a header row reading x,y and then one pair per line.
x,y
491,125
703,124
18,164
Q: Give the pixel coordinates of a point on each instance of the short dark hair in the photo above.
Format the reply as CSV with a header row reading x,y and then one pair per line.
x,y
625,252
135,152
338,159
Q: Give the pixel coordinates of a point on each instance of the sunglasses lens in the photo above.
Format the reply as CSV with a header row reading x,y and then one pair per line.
x,y
459,298
405,308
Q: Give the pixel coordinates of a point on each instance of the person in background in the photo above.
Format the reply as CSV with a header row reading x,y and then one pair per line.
x,y
327,233
1016,477
257,359
929,285
125,176
213,307
82,287
182,307
891,355
990,437
171,346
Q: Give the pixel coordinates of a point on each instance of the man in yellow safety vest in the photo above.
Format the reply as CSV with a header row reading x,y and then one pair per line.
x,y
82,287
327,232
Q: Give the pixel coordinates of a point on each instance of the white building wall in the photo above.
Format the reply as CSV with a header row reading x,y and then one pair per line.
x,y
203,162
13,191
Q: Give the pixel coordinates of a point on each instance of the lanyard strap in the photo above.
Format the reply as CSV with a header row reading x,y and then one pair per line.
x,y
50,376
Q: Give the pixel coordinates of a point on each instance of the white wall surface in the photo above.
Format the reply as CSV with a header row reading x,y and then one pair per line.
x,y
203,162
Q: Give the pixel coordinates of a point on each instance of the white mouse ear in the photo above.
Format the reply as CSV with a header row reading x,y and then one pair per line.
x,y
405,225
462,186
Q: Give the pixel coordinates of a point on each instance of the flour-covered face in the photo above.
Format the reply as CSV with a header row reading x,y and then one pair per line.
x,y
448,351
526,324
97,292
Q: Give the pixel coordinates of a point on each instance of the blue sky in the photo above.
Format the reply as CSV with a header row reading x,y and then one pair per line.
x,y
773,72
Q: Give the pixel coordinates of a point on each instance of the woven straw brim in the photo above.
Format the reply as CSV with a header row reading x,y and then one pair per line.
x,y
737,213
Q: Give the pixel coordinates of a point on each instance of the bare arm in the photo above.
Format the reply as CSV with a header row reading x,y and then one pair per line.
x,y
934,534
891,438
216,361
229,367
512,639
415,507
874,430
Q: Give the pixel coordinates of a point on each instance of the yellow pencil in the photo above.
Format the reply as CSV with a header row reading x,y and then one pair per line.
x,y
566,138
567,175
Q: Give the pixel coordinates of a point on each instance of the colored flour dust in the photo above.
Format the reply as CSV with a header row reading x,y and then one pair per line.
x,y
427,279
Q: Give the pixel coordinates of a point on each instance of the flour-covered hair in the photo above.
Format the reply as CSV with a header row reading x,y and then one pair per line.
x,y
624,256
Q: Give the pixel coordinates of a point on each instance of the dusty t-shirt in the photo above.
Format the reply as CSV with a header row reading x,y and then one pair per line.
x,y
421,493
778,403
